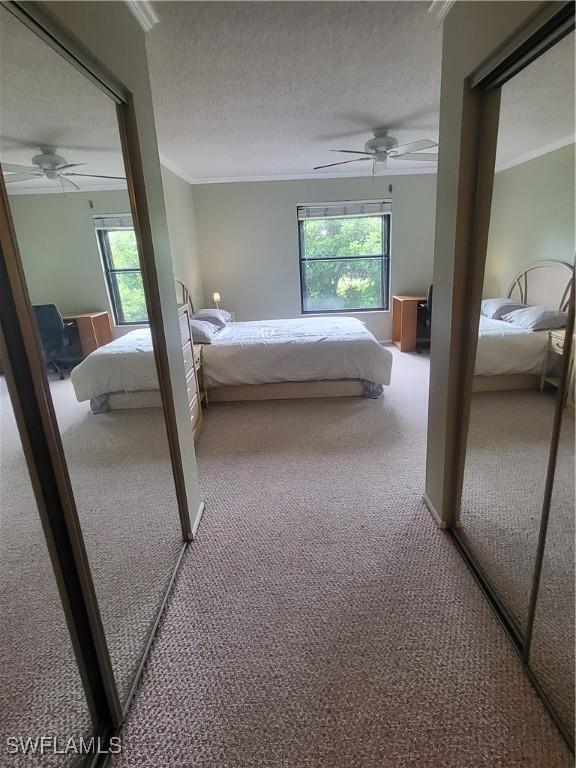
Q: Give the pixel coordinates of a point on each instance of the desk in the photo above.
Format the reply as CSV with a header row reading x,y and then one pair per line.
x,y
94,329
405,321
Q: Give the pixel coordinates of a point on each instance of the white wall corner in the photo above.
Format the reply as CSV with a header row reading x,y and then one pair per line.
x,y
174,168
197,520
144,13
435,516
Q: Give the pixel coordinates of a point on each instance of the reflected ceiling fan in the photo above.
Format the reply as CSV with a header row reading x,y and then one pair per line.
x,y
382,148
49,165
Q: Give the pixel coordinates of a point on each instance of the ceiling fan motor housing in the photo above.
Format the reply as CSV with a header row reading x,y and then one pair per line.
x,y
48,160
380,145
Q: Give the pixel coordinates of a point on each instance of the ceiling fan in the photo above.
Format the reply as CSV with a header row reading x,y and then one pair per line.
x,y
382,148
48,165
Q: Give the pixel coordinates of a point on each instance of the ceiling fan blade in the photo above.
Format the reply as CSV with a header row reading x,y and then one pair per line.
x,y
11,168
343,162
429,157
351,152
21,177
69,165
413,146
94,176
68,181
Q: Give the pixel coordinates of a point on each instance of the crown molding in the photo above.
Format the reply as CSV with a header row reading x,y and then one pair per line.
x,y
440,8
174,168
112,186
414,171
144,13
545,150
314,176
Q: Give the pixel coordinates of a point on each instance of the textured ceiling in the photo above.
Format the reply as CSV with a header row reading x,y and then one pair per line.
x,y
256,89
44,100
266,89
537,106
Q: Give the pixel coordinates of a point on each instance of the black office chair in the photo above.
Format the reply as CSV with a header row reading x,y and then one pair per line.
x,y
429,305
424,322
55,343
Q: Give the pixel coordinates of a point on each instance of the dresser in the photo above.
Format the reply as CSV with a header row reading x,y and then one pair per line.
x,y
194,405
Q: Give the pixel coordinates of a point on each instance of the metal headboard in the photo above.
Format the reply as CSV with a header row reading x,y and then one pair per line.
x,y
543,283
183,294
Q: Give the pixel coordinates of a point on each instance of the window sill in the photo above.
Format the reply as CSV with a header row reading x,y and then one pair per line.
x,y
337,312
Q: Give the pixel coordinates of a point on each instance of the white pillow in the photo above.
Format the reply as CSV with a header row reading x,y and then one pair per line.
x,y
496,308
536,318
202,332
218,317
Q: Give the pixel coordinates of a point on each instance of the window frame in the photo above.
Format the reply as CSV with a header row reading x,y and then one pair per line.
x,y
384,258
110,271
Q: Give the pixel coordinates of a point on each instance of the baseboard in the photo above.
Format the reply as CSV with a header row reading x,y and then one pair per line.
x,y
435,516
198,519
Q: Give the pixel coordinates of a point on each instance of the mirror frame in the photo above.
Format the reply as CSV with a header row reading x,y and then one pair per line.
x,y
547,26
29,391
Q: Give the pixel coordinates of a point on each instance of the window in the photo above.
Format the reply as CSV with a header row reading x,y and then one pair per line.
x,y
119,251
344,256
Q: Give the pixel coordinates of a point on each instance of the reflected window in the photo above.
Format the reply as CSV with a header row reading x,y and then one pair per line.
x,y
119,251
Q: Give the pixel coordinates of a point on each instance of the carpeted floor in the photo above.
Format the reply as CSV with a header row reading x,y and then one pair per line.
x,y
321,620
122,477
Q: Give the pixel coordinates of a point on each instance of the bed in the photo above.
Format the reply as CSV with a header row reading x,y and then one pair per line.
x,y
509,357
304,357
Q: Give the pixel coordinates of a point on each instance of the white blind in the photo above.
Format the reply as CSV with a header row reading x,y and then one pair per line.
x,y
347,209
114,221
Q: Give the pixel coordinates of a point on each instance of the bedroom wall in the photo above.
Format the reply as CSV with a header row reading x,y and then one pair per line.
x,y
59,248
248,238
66,267
182,230
532,217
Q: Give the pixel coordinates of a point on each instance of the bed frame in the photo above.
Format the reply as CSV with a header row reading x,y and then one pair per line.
x,y
287,390
543,283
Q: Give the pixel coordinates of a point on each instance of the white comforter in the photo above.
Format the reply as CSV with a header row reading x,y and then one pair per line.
x,y
504,349
304,349
124,365
245,353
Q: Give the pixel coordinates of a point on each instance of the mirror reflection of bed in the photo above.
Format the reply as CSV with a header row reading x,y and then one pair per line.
x,y
527,296
64,172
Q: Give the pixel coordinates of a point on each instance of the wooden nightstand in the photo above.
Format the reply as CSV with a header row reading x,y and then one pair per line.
x,y
555,348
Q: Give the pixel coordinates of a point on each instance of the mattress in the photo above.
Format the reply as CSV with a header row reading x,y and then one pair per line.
x,y
124,365
305,349
302,349
505,349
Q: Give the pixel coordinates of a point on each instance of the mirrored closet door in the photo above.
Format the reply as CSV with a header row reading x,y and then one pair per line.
x,y
42,691
518,540
67,187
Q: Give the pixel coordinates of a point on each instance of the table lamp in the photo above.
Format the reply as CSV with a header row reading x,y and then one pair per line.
x,y
216,299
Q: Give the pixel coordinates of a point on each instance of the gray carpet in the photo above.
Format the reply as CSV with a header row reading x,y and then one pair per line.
x,y
122,477
506,465
321,619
